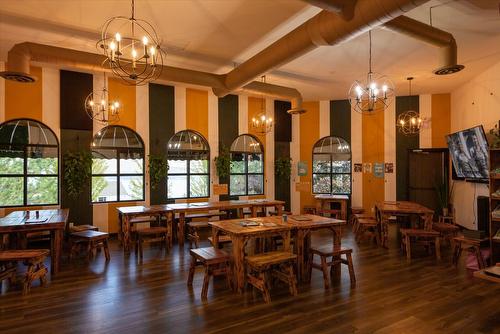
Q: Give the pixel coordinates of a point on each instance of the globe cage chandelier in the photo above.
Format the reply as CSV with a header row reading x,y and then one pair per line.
x,y
133,54
99,108
375,94
261,123
409,122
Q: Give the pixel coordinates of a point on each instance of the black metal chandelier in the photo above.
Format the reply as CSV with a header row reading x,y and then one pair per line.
x,y
100,108
409,122
132,49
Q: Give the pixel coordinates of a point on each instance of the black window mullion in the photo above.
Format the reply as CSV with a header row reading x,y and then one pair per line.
x,y
25,178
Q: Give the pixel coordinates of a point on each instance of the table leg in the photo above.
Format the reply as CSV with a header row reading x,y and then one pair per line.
x,y
180,229
170,219
126,234
337,238
438,248
56,245
302,243
254,211
215,238
239,266
343,208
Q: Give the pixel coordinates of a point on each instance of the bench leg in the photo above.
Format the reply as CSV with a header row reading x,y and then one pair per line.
x,y
206,280
408,248
229,275
192,268
291,280
265,287
324,268
106,249
350,266
437,244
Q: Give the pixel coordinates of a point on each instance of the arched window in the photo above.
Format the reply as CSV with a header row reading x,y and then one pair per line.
x,y
29,164
188,157
247,167
331,166
117,165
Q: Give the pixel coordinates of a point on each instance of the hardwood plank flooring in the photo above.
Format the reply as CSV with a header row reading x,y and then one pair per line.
x,y
129,297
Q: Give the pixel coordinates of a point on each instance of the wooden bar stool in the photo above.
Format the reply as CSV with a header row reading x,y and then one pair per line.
x,y
277,264
336,257
152,234
33,258
216,263
91,241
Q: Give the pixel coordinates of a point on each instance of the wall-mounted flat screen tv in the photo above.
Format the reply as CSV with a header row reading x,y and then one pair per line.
x,y
469,153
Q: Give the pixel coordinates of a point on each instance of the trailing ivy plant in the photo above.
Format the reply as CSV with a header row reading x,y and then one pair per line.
x,y
283,168
158,169
223,163
494,137
77,171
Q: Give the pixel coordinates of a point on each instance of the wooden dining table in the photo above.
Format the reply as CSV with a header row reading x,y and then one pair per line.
x,y
28,221
298,226
385,210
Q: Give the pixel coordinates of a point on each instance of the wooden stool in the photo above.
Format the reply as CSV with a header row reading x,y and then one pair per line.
x,y
92,240
472,245
447,231
421,236
79,228
33,258
216,263
193,229
356,217
364,226
355,211
152,234
278,264
324,253
223,239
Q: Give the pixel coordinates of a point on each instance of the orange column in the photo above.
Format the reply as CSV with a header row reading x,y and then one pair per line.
x,y
24,100
126,95
440,119
197,111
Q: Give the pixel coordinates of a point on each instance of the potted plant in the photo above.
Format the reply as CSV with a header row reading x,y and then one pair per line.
x,y
444,195
223,163
494,137
283,168
77,171
158,169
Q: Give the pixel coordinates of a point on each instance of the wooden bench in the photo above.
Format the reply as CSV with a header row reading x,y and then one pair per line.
x,y
335,254
149,235
33,258
91,240
421,236
79,228
355,211
194,227
223,239
215,262
277,264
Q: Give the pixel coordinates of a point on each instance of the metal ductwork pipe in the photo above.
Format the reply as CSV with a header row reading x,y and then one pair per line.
x,y
345,8
326,28
434,36
21,56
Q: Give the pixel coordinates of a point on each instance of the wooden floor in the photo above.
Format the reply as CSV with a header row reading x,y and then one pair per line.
x,y
124,296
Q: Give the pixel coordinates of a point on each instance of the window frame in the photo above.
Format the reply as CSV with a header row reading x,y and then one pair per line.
x,y
25,175
246,173
118,175
331,173
188,154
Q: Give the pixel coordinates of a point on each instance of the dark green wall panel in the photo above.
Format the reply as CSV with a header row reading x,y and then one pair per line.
x,y
283,137
228,128
403,145
340,119
282,122
161,128
75,87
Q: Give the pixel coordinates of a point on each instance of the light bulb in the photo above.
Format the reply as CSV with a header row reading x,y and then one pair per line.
x,y
413,120
134,53
270,120
375,92
152,50
117,104
384,88
263,118
359,90
103,102
118,37
402,122
91,103
112,46
145,40
373,85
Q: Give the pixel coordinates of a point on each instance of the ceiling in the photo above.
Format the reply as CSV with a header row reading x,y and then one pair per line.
x,y
216,35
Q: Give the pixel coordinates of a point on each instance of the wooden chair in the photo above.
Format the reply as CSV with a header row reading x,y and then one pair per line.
x,y
33,258
90,241
277,264
216,263
335,256
367,226
422,236
152,234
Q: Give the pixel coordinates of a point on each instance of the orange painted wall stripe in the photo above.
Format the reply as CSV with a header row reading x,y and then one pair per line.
x,y
197,111
309,135
373,151
256,106
24,100
126,95
440,119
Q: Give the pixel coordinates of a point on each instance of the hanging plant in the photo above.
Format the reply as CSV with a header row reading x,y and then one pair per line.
x,y
77,171
494,137
223,163
158,169
283,168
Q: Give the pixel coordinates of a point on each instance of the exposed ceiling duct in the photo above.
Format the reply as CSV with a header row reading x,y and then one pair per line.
x,y
434,36
341,7
326,28
21,55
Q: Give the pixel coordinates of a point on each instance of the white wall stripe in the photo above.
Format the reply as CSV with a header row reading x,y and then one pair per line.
x,y
213,139
98,85
357,156
324,118
180,108
269,158
242,114
390,150
295,156
425,111
50,99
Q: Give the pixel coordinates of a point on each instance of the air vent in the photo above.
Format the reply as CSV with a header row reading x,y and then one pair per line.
x,y
296,111
449,69
18,76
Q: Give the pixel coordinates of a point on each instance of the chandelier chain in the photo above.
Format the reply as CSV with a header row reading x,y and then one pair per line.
x,y
370,52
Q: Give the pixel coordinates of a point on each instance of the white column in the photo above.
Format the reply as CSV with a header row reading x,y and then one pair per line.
x,y
180,108
324,118
390,150
242,114
142,128
2,94
425,111
50,99
269,158
357,156
295,156
213,138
